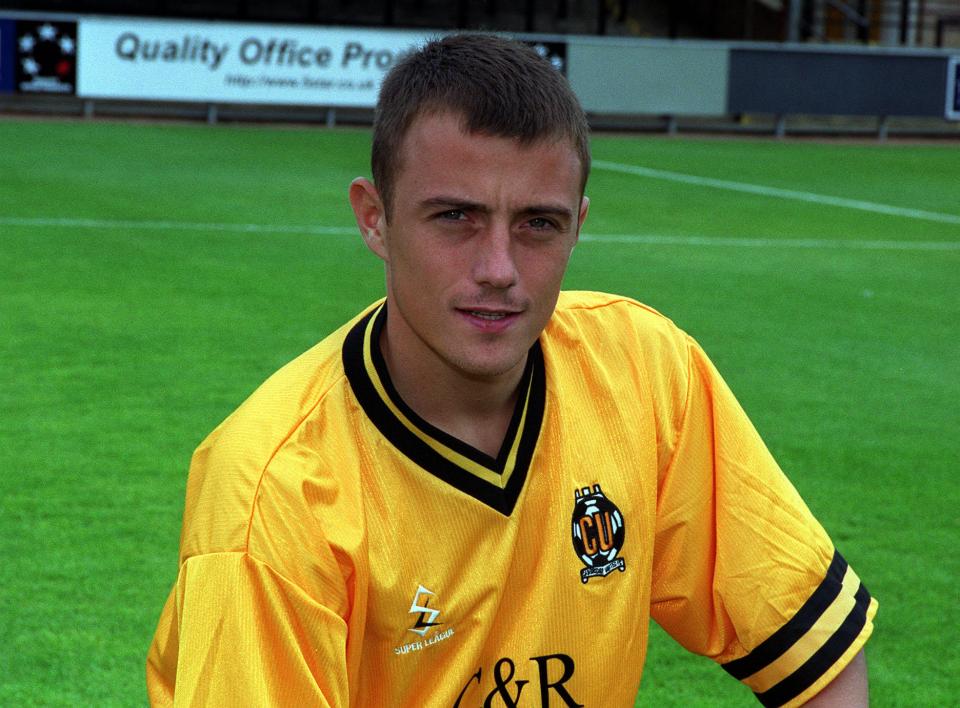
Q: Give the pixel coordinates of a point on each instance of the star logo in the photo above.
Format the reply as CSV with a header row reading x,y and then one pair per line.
x,y
553,52
46,56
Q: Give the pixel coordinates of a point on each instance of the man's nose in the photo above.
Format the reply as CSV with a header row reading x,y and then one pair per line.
x,y
494,262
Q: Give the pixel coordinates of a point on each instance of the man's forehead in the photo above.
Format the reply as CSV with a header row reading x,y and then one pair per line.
x,y
433,134
430,121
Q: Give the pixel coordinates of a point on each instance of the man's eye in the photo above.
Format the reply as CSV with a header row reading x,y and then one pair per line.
x,y
541,223
452,215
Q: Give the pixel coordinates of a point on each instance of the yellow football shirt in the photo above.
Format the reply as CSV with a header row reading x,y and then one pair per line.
x,y
339,550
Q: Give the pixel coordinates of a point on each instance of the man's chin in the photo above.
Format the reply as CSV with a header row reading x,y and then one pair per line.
x,y
489,369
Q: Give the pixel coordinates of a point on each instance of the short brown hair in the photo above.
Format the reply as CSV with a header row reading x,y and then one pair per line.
x,y
501,88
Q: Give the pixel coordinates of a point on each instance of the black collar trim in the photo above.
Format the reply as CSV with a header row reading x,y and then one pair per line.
x,y
497,482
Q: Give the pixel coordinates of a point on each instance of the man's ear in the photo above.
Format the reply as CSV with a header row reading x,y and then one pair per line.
x,y
369,212
582,216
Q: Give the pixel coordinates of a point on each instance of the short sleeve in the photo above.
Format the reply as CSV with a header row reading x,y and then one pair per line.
x,y
743,572
234,632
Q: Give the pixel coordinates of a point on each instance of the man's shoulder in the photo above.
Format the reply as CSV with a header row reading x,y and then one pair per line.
x,y
632,344
288,396
610,318
230,466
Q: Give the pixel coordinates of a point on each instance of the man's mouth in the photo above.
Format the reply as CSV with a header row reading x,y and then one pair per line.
x,y
485,315
490,320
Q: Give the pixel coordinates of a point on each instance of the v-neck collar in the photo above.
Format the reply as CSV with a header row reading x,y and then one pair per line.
x,y
497,482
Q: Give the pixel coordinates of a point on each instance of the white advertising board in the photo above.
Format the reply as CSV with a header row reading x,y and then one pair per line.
x,y
236,63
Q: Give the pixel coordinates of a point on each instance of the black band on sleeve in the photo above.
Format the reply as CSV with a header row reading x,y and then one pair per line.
x,y
780,641
825,657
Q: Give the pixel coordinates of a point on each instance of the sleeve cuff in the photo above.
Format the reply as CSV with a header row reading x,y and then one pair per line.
x,y
804,655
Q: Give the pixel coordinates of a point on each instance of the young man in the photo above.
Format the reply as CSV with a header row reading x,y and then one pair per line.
x,y
479,491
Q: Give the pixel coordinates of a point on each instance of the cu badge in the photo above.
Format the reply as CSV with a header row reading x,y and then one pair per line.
x,y
597,533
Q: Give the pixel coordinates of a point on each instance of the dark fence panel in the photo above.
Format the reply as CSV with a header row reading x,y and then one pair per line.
x,y
836,83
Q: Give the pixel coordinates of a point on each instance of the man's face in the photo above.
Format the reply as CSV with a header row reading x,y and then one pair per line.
x,y
480,232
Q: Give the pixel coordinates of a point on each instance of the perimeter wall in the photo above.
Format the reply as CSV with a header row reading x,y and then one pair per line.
x,y
95,64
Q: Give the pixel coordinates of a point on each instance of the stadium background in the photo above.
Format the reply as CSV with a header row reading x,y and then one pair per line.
x,y
154,272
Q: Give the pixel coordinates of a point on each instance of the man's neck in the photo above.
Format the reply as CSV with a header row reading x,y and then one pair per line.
x,y
476,410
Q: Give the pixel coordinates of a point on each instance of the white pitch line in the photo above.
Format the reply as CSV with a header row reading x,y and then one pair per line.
x,y
809,243
647,239
765,191
173,225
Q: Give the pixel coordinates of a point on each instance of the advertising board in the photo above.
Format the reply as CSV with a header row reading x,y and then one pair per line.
x,y
38,56
953,88
236,63
46,56
7,55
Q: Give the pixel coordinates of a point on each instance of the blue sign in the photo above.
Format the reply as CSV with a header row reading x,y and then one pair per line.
x,y
7,55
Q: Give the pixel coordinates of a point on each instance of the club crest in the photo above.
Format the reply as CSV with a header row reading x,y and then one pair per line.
x,y
598,533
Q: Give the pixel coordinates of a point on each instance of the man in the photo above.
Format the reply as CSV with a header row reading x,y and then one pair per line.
x,y
478,491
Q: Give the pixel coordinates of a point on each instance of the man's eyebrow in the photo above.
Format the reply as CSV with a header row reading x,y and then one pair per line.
x,y
548,210
444,202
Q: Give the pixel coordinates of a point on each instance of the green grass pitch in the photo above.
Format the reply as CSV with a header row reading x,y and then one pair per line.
x,y
135,314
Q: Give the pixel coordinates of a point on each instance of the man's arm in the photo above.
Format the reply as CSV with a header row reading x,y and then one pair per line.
x,y
236,633
848,690
792,612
